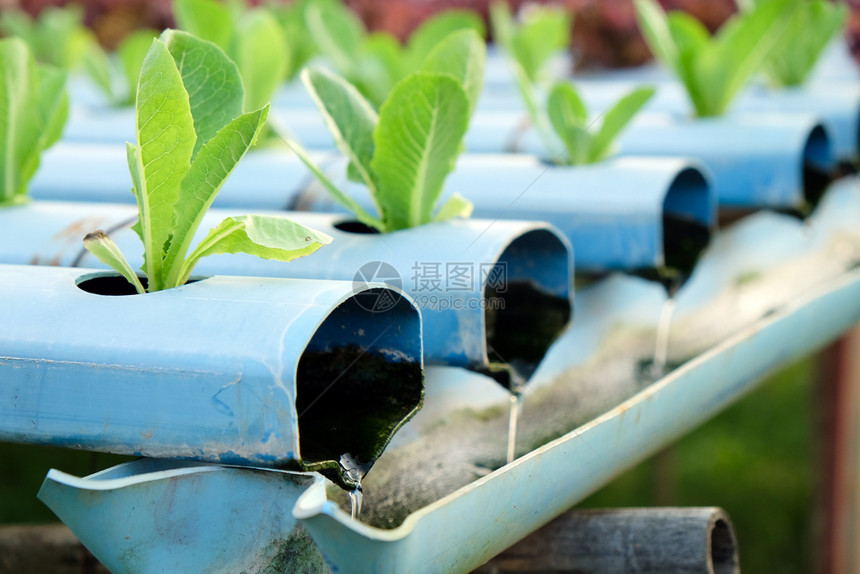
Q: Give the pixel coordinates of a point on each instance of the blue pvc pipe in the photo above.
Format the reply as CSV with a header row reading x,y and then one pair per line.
x,y
447,268
268,178
151,516
835,105
613,213
219,370
756,160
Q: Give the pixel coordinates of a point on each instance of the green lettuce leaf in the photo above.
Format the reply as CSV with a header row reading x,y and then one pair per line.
x,y
417,141
132,51
437,28
211,81
166,136
33,111
262,236
349,117
105,250
261,53
206,19
210,169
462,55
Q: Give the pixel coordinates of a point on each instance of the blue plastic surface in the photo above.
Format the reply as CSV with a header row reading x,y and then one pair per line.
x,y
208,371
444,267
151,516
612,213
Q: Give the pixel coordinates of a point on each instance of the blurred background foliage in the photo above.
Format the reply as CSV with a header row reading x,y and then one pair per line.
x,y
604,31
757,460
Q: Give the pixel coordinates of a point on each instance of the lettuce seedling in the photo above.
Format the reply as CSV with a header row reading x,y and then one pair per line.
x,y
132,52
404,153
59,37
529,45
291,17
33,112
714,69
253,39
585,143
191,133
814,24
542,32
106,71
375,62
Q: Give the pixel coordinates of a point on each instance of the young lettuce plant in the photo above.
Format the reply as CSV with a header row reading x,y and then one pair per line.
x,y
191,133
714,69
585,143
291,17
404,153
59,37
529,45
542,32
105,70
131,53
252,38
814,24
33,112
375,62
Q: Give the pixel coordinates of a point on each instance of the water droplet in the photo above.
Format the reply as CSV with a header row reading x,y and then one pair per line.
x,y
355,499
353,471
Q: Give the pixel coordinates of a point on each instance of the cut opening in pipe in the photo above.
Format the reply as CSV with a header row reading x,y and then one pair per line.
x,y
354,390
527,305
817,169
218,371
687,223
687,217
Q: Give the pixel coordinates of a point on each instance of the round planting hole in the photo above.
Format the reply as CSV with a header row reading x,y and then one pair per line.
x,y
355,227
111,285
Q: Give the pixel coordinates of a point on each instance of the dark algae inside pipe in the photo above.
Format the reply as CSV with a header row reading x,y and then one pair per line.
x,y
350,400
520,329
684,240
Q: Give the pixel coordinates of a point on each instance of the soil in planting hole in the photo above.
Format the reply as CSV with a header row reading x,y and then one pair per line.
x,y
352,401
521,328
684,239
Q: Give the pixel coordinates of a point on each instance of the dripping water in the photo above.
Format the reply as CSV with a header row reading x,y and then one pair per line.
x,y
661,348
356,496
516,412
